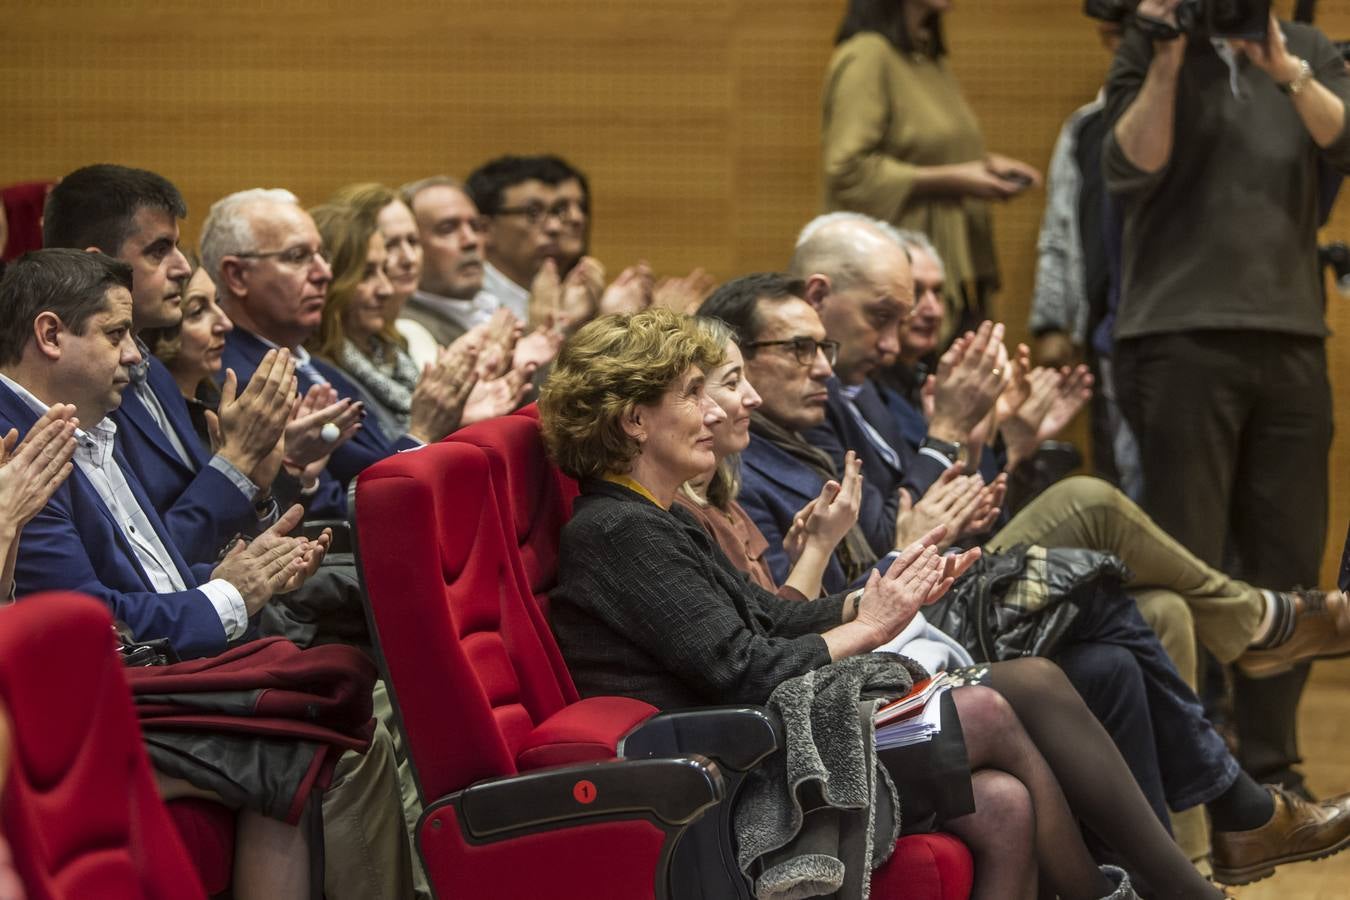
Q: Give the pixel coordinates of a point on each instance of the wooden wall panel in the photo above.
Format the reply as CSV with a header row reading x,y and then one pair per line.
x,y
697,120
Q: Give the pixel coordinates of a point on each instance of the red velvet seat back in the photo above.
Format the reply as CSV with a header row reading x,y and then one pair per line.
x,y
468,671
80,809
535,499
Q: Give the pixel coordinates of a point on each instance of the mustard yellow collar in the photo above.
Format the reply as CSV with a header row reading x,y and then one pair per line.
x,y
632,484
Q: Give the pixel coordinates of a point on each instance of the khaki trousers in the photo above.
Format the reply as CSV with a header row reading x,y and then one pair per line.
x,y
367,853
1088,512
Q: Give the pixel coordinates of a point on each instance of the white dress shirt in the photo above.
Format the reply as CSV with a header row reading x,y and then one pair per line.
x,y
505,291
94,457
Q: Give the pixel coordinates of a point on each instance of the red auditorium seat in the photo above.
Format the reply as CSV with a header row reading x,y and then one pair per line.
x,y
537,499
80,809
526,792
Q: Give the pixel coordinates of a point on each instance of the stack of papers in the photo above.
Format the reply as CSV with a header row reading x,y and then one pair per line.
x,y
915,717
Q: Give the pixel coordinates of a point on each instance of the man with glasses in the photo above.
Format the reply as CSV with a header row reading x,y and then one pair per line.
x,y
788,360
529,217
265,255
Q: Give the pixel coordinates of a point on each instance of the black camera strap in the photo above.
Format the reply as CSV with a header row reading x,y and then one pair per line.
x,y
1156,29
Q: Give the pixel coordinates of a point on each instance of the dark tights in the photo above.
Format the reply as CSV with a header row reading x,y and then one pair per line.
x,y
1034,726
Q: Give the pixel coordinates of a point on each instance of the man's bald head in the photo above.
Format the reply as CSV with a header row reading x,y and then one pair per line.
x,y
858,278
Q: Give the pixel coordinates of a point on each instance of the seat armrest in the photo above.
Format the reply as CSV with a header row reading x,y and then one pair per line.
x,y
737,737
672,790
586,731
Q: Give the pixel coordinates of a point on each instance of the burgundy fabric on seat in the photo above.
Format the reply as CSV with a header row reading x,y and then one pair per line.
x,y
80,808
207,830
537,499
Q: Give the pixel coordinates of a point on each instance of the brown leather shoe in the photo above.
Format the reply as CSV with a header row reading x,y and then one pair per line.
x,y
1321,631
1299,830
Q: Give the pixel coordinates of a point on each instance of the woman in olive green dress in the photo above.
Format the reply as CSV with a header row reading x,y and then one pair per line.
x,y
901,144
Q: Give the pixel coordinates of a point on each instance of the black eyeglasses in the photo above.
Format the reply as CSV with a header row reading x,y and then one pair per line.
x,y
300,257
537,212
804,348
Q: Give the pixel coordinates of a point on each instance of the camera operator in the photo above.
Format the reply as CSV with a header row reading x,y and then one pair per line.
x,y
1214,150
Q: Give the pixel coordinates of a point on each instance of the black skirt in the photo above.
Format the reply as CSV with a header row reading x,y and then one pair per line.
x,y
933,778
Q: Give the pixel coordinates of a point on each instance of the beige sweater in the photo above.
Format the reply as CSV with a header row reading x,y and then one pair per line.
x,y
887,113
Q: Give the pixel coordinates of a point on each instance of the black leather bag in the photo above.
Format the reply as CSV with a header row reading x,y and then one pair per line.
x,y
1023,601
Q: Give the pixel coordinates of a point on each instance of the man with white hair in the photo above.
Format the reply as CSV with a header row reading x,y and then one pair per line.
x,y
266,257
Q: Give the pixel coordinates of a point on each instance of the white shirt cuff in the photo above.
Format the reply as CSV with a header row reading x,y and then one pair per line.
x,y
237,478
229,604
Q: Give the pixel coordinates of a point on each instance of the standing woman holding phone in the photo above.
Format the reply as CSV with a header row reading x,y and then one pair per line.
x,y
901,144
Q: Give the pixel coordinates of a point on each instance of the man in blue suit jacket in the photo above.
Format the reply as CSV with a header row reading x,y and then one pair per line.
x,y
265,255
857,275
787,354
132,215
65,336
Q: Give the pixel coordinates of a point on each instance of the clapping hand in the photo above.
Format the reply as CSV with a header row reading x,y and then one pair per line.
x,y
499,396
916,578
949,504
32,469
970,377
630,293
537,349
1052,400
827,518
249,423
987,507
320,406
442,392
499,339
1073,393
684,295
581,293
272,563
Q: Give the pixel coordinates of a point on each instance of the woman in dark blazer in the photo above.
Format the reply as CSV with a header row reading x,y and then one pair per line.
x,y
647,606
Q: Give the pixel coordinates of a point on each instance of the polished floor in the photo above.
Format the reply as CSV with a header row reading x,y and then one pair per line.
x,y
1324,723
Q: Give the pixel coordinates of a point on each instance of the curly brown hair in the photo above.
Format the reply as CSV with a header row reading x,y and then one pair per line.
x,y
611,365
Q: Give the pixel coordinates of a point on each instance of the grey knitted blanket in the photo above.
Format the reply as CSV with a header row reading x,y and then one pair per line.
x,y
820,814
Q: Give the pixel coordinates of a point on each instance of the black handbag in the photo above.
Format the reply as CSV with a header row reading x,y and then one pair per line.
x,y
1023,601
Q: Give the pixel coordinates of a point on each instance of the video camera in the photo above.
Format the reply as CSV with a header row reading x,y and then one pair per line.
x,y
1248,19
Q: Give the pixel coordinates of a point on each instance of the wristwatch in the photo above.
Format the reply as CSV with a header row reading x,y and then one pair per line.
x,y
1305,75
947,448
